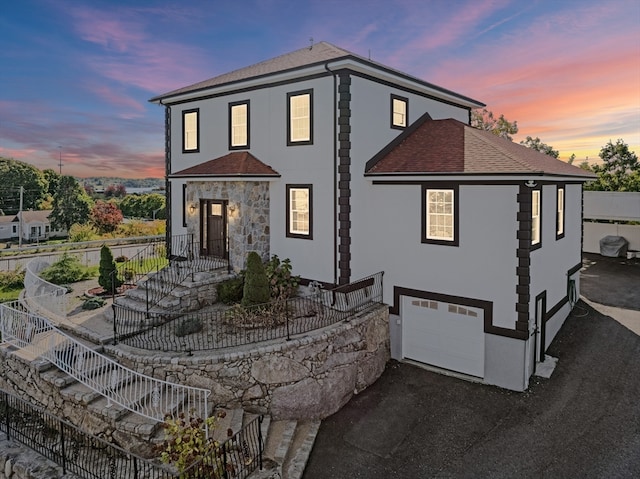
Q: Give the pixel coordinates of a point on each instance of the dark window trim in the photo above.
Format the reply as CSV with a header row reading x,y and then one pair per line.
x,y
184,205
246,145
406,112
537,245
289,96
184,113
561,186
289,234
456,213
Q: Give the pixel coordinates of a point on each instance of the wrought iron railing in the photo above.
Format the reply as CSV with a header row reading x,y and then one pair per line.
x,y
236,458
91,457
44,296
236,326
77,452
159,274
143,395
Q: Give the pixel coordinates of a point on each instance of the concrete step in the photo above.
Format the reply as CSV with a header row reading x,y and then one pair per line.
x,y
278,441
300,449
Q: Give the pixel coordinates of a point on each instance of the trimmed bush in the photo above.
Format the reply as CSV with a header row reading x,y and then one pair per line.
x,y
231,290
256,282
188,326
67,269
108,278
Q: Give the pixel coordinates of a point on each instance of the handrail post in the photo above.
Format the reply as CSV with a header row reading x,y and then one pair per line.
x,y
7,414
286,317
115,320
260,445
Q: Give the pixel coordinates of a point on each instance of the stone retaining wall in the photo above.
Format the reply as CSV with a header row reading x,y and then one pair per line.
x,y
20,462
304,378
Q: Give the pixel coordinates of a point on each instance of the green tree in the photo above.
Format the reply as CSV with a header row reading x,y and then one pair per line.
x,y
13,175
71,204
144,206
619,171
536,144
585,165
571,159
485,120
256,282
53,181
107,278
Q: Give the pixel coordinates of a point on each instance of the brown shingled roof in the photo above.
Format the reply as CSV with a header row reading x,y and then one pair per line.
x,y
449,146
237,163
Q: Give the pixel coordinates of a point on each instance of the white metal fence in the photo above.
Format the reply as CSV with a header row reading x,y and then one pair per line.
x,y
609,213
44,296
36,337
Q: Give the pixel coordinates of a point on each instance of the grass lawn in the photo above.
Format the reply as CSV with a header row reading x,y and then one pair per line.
x,y
9,294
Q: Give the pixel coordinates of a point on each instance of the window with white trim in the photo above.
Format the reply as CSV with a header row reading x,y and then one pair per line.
x,y
299,118
535,217
190,133
239,125
440,215
299,211
560,214
399,111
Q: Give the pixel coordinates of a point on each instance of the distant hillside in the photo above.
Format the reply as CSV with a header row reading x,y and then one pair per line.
x,y
101,182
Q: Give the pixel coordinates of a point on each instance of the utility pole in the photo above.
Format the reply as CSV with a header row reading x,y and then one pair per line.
x,y
20,218
60,160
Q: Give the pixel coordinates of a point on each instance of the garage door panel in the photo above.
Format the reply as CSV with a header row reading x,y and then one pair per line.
x,y
449,340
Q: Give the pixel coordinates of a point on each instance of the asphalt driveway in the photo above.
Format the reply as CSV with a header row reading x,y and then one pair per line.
x,y
583,422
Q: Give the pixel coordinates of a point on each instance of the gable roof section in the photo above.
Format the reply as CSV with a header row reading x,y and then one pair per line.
x,y
317,54
237,163
41,216
452,147
7,218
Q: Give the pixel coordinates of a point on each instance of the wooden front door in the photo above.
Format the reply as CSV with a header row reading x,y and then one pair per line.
x,y
213,228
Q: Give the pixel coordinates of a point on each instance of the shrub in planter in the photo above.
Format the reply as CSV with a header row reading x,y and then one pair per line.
x,y
188,326
231,290
256,282
282,283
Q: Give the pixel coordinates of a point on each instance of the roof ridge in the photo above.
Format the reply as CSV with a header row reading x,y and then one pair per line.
x,y
480,134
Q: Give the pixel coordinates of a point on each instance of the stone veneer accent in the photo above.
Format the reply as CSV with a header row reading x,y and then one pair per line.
x,y
310,377
247,215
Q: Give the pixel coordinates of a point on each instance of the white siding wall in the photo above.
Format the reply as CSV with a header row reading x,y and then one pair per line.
x,y
386,235
308,164
550,263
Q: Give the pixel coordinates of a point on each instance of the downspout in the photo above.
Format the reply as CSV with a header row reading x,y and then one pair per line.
x,y
335,173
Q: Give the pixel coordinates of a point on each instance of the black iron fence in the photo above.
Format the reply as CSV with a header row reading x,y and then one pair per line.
x,y
77,452
91,457
236,458
236,326
164,272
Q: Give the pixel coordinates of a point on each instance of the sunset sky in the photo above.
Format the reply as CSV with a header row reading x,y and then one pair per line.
x,y
77,75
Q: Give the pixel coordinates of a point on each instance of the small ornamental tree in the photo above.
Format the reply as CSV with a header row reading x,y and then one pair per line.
x,y
108,278
106,216
256,282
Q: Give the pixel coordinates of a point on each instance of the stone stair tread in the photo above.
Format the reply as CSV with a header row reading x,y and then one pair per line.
x,y
300,449
232,420
279,439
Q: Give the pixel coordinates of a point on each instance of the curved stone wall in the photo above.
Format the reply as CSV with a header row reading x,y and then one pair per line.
x,y
307,377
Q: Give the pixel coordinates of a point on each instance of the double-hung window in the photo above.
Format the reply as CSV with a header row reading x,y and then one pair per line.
x,y
190,131
535,218
300,118
239,125
560,213
399,111
440,215
299,211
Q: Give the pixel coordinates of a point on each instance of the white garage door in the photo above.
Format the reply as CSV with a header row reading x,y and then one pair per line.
x,y
446,335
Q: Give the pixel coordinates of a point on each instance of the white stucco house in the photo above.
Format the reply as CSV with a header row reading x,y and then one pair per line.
x,y
36,226
349,167
8,227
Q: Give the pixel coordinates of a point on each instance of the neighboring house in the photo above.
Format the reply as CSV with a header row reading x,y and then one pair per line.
x,y
8,228
349,167
36,226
